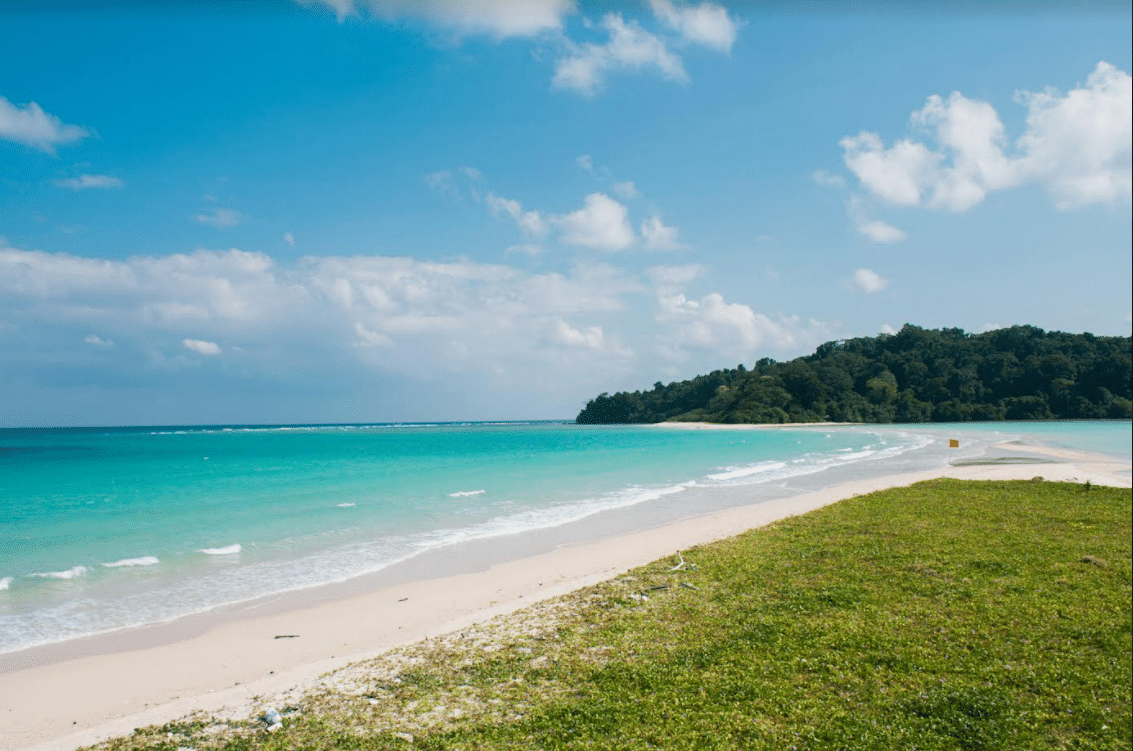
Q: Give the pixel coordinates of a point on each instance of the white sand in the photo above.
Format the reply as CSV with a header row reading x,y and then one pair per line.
x,y
87,699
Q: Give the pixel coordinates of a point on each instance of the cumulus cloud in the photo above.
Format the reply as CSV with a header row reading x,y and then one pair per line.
x,y
602,223
497,18
887,329
868,281
712,324
201,347
530,223
707,24
1076,145
289,239
83,182
878,231
33,127
219,218
881,232
628,47
1079,144
564,333
658,236
97,341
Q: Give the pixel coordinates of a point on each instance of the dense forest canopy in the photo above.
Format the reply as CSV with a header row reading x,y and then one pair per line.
x,y
915,375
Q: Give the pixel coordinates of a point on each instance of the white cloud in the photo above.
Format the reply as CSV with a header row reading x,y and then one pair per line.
x,y
97,341
1077,146
368,338
629,47
585,162
670,278
289,239
201,347
497,18
31,126
869,281
658,236
878,231
531,223
706,23
303,325
712,324
627,190
82,182
219,217
564,333
898,174
827,179
887,329
602,223
881,232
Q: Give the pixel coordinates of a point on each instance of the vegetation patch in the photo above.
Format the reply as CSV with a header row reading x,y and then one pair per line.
x,y
915,375
946,615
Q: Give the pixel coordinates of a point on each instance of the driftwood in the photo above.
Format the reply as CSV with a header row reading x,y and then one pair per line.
x,y
287,636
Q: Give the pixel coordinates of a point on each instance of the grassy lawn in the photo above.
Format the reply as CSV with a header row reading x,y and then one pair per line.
x,y
947,615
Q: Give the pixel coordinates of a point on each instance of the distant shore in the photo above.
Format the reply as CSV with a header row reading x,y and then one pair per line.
x,y
64,703
755,426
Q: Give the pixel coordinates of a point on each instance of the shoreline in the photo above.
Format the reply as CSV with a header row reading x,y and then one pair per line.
x,y
64,704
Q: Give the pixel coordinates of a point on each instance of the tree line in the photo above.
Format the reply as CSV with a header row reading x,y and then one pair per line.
x,y
915,375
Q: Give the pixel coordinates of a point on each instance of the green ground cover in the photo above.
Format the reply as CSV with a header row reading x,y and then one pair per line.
x,y
946,615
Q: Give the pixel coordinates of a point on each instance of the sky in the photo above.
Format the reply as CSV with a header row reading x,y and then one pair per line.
x,y
284,211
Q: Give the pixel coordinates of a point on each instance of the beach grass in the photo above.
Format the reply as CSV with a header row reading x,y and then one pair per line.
x,y
946,615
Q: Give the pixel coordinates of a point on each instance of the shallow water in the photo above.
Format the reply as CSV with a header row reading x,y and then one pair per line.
x,y
112,528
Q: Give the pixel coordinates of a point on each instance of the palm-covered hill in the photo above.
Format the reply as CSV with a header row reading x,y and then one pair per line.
x,y
916,375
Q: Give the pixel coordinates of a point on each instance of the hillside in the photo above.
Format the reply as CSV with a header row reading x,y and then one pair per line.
x,y
916,375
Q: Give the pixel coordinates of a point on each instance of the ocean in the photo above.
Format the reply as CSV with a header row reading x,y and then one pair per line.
x,y
103,529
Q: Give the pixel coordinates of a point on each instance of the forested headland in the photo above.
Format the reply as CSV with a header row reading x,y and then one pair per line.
x,y
915,375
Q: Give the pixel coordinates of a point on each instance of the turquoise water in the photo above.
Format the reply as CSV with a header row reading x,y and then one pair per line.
x,y
106,529
1110,437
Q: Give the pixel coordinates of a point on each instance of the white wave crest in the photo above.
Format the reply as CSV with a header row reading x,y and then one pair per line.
x,y
4,582
345,505
146,560
732,474
229,550
463,493
70,573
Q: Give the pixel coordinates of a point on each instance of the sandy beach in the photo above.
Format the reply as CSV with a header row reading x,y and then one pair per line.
x,y
87,691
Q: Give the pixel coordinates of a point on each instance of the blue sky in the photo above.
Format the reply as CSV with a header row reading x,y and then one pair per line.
x,y
382,210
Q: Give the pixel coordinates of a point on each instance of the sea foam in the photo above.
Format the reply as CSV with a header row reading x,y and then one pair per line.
x,y
732,474
464,493
146,560
70,573
5,582
229,550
